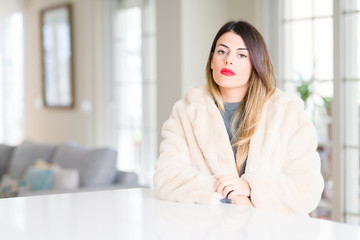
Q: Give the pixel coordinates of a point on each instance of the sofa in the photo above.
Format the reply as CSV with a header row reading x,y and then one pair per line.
x,y
35,169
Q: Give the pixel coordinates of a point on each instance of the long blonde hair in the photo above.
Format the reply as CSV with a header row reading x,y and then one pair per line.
x,y
261,86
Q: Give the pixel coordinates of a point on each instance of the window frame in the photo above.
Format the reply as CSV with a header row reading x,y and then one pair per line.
x,y
337,173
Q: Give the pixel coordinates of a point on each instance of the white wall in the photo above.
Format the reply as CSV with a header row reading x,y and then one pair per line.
x,y
201,20
168,47
8,7
77,124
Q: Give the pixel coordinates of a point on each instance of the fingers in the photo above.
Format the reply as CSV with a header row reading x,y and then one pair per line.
x,y
231,185
225,186
224,181
234,193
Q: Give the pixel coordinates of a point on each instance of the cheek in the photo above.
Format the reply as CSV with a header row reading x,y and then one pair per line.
x,y
215,63
250,68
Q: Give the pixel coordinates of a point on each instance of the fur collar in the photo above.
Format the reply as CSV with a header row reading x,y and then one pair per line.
x,y
210,131
212,138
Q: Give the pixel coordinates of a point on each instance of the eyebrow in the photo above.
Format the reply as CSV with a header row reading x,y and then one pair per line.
x,y
228,47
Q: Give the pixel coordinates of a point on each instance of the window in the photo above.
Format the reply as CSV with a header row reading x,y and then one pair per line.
x,y
11,79
351,91
132,91
306,29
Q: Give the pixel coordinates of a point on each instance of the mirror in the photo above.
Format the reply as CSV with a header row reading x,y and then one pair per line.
x,y
57,57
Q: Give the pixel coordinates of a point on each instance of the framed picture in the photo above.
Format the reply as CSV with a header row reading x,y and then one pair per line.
x,y
57,56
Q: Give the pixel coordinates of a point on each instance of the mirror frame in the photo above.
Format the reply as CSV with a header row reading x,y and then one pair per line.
x,y
71,85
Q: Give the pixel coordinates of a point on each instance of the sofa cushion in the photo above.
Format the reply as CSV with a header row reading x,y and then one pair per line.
x,y
97,167
5,152
65,178
39,179
128,179
25,156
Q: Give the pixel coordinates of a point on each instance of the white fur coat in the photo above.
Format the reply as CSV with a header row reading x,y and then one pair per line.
x,y
283,167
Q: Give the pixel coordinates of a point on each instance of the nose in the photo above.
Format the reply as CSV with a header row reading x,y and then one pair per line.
x,y
228,60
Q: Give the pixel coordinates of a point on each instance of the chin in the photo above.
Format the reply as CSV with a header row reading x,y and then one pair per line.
x,y
230,86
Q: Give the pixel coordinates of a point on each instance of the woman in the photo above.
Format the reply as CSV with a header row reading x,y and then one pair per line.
x,y
238,138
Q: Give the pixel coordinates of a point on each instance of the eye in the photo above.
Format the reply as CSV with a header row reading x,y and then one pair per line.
x,y
242,56
221,52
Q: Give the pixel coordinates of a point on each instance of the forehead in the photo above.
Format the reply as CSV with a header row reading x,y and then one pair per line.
x,y
232,40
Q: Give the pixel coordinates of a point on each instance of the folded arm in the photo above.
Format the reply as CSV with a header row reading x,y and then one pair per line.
x,y
176,178
299,187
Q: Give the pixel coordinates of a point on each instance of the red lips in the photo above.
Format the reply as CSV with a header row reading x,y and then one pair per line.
x,y
227,72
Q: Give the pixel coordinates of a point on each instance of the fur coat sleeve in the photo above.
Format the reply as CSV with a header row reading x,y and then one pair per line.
x,y
283,167
181,173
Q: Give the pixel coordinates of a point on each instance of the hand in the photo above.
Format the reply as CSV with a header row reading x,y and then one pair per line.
x,y
242,200
230,186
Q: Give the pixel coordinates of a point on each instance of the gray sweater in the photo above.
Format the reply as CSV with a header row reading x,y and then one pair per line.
x,y
230,109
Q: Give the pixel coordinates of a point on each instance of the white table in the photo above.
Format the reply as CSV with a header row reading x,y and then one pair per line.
x,y
137,214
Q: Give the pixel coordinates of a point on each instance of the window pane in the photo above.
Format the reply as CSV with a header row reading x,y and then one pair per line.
x,y
352,5
129,148
127,23
323,49
149,19
352,43
11,79
307,68
352,219
129,104
323,89
132,128
321,99
351,106
317,104
298,62
297,9
128,86
351,109
323,8
290,87
149,56
128,68
352,184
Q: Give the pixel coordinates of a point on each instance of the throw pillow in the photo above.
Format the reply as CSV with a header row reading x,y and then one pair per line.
x,y
65,179
5,152
96,166
39,179
40,163
11,188
25,156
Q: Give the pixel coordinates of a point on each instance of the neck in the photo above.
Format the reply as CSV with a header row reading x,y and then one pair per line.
x,y
232,95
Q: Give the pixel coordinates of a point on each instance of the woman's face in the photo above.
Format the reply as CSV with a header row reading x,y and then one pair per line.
x,y
231,66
